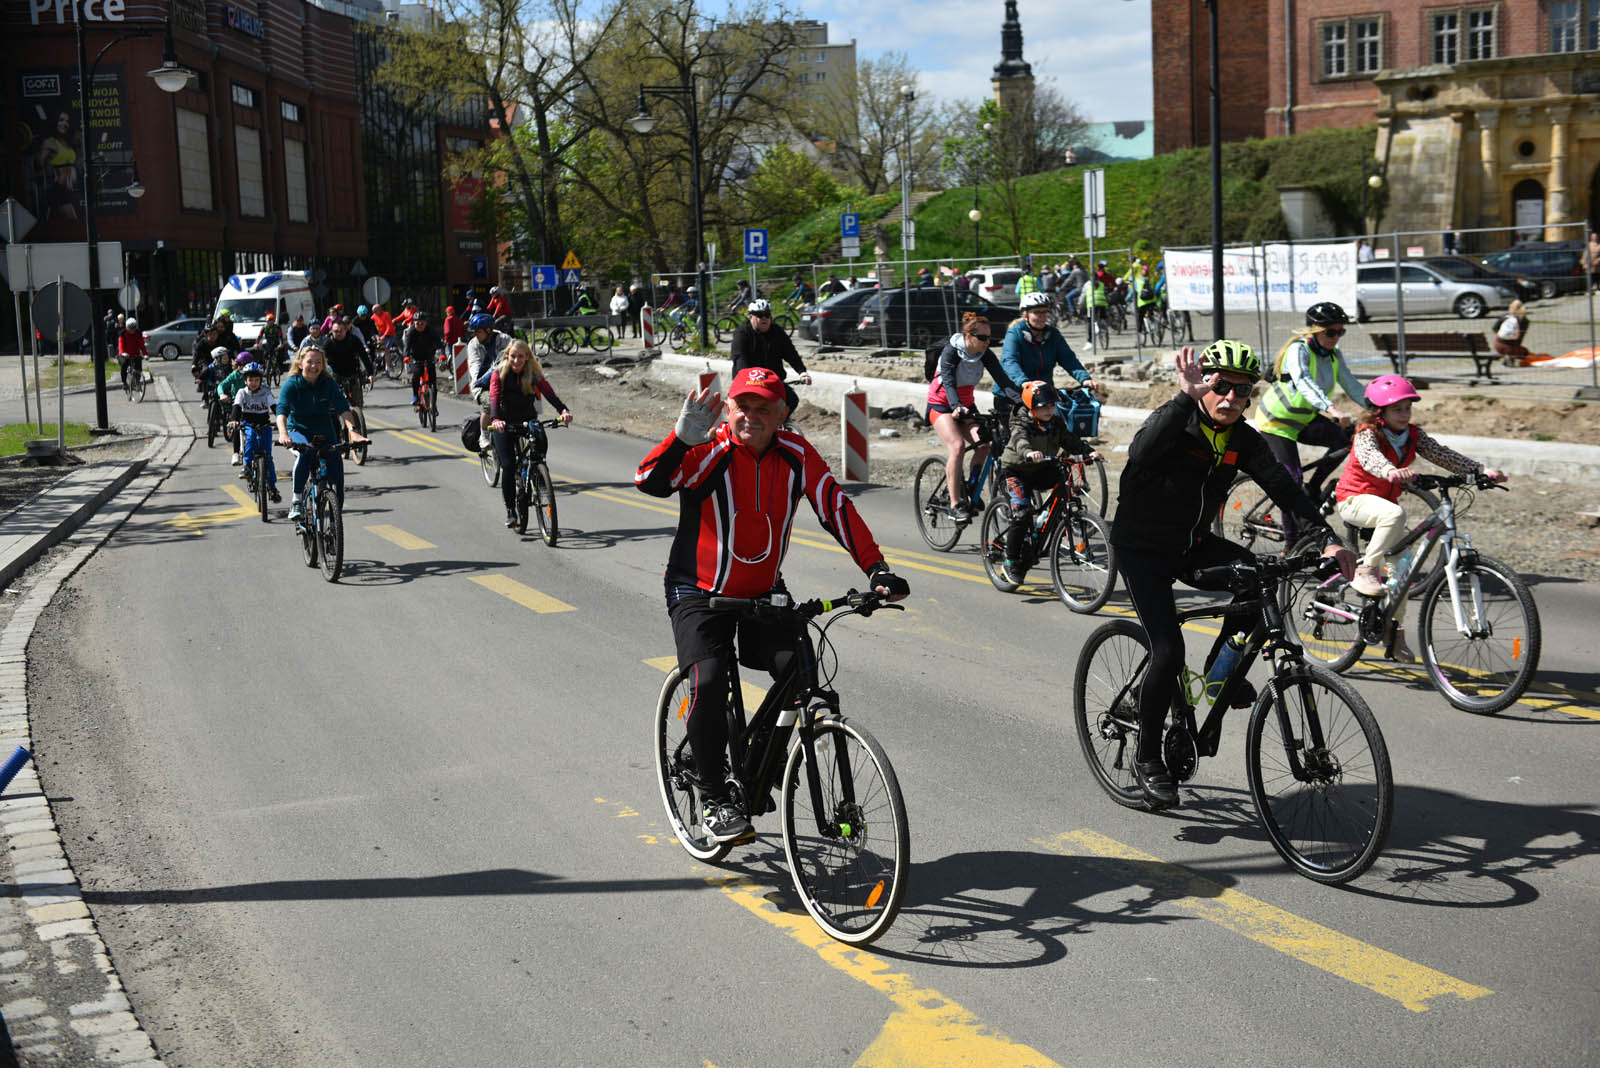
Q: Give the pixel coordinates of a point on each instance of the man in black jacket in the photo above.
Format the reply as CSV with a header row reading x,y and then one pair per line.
x,y
759,342
348,360
1180,466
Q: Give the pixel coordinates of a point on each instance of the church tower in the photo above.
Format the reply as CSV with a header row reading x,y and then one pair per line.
x,y
1013,77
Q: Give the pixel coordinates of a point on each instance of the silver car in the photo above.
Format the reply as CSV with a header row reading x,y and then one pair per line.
x,y
174,339
1426,291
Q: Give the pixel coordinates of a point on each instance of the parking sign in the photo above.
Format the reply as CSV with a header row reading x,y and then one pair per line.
x,y
755,246
850,225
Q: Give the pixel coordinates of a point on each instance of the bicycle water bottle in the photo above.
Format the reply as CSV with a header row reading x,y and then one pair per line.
x,y
1227,658
1401,565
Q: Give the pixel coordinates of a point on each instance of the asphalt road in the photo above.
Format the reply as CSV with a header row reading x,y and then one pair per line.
x,y
411,819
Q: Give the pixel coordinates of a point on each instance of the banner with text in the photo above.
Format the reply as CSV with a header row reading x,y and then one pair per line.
x,y
50,142
1280,278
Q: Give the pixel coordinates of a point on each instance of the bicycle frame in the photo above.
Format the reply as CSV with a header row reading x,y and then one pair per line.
x,y
772,725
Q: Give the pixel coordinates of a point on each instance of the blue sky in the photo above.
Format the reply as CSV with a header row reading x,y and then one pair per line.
x,y
1097,51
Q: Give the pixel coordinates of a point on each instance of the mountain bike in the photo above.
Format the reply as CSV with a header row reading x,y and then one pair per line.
x,y
1316,760
352,391
535,492
930,492
216,418
844,826
1477,628
428,396
133,378
1064,530
392,361
569,339
321,522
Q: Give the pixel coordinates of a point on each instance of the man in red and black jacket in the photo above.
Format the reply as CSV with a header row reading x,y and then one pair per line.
x,y
739,490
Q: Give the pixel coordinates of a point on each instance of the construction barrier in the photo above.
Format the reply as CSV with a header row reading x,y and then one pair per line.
x,y
19,758
458,359
853,426
708,379
647,318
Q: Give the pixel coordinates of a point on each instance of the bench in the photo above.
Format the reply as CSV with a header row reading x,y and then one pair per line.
x,y
1450,345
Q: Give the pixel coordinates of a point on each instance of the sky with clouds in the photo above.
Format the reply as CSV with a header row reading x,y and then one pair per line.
x,y
1097,51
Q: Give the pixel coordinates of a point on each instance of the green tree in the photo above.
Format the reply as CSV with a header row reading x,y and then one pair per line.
x,y
787,187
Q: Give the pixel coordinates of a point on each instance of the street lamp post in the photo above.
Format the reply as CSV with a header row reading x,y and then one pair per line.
x,y
643,123
907,94
975,214
1216,178
170,77
1371,178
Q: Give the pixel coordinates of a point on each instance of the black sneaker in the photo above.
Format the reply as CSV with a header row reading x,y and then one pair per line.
x,y
511,518
1156,782
274,496
1244,694
723,822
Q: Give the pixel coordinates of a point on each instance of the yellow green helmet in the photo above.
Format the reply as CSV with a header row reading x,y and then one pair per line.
x,y
1233,356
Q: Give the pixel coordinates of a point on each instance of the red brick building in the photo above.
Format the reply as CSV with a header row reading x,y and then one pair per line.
x,y
1180,52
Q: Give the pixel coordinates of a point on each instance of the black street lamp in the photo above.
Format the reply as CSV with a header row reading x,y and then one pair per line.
x,y
1216,178
643,123
975,215
170,77
1371,178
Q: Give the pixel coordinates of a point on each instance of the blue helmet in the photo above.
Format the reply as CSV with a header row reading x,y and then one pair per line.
x,y
481,321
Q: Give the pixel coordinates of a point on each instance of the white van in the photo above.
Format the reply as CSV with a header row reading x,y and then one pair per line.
x,y
248,297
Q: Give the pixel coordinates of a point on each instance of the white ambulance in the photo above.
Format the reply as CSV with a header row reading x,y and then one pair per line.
x,y
247,298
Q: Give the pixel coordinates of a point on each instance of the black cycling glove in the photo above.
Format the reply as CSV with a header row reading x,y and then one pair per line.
x,y
880,575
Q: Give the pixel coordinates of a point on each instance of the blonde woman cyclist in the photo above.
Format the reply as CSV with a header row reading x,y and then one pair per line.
x,y
1297,407
514,391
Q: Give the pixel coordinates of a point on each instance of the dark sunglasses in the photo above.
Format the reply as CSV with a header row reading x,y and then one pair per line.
x,y
760,315
1239,389
979,337
1333,331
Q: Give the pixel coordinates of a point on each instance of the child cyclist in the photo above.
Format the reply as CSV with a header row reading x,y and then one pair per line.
x,y
1382,456
1034,439
253,409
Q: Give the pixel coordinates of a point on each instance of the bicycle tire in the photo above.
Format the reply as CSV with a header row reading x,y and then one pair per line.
x,y
524,497
489,460
422,406
677,337
308,529
1332,819
1108,725
393,365
433,411
136,387
259,464
675,774
991,544
725,327
330,532
1097,491
1481,673
930,500
1086,574
1247,515
1316,609
358,453
563,340
848,877
213,423
601,339
544,497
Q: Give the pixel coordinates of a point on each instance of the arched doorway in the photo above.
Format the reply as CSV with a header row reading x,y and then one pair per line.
x,y
1527,210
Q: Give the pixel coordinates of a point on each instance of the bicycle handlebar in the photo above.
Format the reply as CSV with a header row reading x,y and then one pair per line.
x,y
317,445
780,606
522,428
1264,569
1475,480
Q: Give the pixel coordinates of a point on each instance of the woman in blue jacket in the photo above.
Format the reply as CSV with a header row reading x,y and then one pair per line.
x,y
1033,349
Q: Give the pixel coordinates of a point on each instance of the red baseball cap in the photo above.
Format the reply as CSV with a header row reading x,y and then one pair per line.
x,y
760,381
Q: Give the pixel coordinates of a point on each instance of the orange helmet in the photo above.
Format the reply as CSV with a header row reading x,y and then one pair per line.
x,y
1038,394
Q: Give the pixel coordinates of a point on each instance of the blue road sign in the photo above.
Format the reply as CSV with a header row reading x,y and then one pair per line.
x,y
546,277
570,277
755,246
850,224
480,267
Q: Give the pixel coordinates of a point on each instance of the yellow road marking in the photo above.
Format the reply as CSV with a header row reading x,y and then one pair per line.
x,y
245,508
1412,985
417,438
526,596
395,536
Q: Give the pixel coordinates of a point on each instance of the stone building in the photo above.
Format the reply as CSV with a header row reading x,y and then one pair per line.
x,y
1013,76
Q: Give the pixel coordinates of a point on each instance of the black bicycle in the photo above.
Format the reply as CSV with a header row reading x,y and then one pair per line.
x,y
321,521
133,378
351,385
428,396
930,491
535,492
1065,531
255,471
1317,764
217,413
844,825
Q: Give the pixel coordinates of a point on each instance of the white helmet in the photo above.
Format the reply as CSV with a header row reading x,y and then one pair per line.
x,y
130,324
1035,299
760,306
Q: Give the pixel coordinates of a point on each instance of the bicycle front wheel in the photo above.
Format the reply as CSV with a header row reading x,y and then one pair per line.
x,y
677,337
1097,487
1325,614
262,486
544,499
725,327
930,496
330,533
1105,706
136,386
680,786
524,497
601,339
308,530
489,460
850,861
1480,644
433,409
1248,516
1319,774
991,544
1083,565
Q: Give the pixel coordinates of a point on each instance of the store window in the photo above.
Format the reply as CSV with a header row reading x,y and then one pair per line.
x,y
294,175
194,161
247,154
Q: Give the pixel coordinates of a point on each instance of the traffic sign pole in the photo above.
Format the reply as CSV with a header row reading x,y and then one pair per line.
x,y
61,364
16,309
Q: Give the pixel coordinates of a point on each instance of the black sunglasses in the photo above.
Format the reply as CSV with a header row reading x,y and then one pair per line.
x,y
1222,387
1333,331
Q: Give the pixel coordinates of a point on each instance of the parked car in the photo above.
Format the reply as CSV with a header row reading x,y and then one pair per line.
x,y
935,314
174,339
997,284
1468,270
1556,265
1426,291
833,322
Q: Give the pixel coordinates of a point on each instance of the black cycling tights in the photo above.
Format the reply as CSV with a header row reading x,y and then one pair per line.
x,y
1148,578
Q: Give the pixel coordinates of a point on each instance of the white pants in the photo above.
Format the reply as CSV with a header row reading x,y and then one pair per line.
x,y
1385,519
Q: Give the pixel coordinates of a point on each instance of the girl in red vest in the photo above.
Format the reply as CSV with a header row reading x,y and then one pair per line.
x,y
1382,458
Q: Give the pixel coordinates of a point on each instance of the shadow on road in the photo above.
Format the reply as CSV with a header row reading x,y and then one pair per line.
x,y
378,573
490,882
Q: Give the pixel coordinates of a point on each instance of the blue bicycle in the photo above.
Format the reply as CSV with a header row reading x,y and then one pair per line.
x,y
941,526
321,522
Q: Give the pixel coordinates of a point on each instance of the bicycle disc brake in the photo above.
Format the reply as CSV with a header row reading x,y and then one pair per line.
x,y
1179,750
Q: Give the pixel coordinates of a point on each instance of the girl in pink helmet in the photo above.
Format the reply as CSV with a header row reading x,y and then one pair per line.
x,y
1382,459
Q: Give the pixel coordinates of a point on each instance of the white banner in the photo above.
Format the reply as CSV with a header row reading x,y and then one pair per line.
x,y
1284,278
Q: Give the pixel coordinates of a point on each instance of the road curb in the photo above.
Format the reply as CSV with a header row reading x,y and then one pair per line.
x,y
64,1001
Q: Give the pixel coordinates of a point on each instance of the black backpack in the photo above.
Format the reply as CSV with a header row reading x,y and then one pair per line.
x,y
469,433
930,361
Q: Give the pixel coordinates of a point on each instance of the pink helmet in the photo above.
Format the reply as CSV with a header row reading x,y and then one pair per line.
x,y
1389,389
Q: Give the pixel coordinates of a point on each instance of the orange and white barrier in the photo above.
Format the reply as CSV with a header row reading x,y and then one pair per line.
x,y
853,426
459,359
708,379
647,318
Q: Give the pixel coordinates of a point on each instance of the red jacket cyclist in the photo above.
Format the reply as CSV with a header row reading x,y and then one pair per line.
x,y
739,489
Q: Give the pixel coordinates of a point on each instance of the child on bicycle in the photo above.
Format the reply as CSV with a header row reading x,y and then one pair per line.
x,y
1382,456
1035,438
253,409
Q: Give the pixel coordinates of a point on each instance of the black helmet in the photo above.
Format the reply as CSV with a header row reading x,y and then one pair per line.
x,y
1326,313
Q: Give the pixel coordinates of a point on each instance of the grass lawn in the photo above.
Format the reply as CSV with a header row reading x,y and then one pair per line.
x,y
14,436
78,373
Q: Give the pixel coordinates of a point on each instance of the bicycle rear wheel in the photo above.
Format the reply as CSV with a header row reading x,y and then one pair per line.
x,y
358,453
675,774
1325,614
1488,667
1083,564
330,533
563,340
544,500
850,861
991,544
489,460
930,497
1105,706
601,339
1319,774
